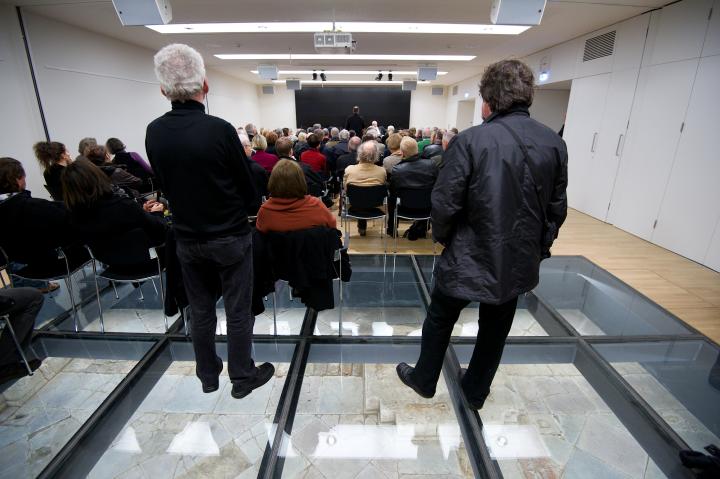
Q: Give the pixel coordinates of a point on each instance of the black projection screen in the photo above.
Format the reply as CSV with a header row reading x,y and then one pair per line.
x,y
331,105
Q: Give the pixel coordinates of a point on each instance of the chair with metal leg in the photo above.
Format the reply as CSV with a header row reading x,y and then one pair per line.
x,y
365,203
8,324
54,265
127,258
412,205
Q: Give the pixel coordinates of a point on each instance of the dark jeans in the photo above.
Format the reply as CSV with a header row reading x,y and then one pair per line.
x,y
205,264
494,321
28,302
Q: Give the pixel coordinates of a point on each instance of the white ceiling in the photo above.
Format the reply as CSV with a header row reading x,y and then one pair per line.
x,y
563,20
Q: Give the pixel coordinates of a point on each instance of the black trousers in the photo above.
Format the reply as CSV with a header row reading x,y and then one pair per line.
x,y
419,228
227,261
494,320
28,302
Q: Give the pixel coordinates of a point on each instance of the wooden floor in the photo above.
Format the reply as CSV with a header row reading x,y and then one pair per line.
x,y
683,287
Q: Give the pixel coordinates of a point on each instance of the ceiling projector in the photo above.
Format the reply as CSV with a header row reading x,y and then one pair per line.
x,y
334,42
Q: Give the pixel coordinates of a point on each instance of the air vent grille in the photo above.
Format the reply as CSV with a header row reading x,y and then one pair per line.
x,y
599,46
268,90
438,91
455,90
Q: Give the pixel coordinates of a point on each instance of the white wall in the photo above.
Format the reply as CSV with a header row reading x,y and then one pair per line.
x,y
93,85
427,109
467,89
550,106
21,124
277,110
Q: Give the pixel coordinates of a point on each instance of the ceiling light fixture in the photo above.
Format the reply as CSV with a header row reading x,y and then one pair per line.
x,y
379,76
346,72
350,82
355,57
354,27
314,75
390,76
322,76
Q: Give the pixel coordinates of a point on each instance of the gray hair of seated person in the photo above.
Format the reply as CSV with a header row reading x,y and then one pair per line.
x,y
334,132
354,143
368,152
180,70
344,134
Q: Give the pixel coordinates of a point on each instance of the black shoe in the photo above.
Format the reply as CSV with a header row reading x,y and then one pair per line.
x,y
211,387
265,373
404,371
476,404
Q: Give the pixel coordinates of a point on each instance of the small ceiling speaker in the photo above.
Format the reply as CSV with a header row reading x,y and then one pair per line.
x,y
268,90
427,73
409,85
293,84
143,12
517,12
268,72
438,91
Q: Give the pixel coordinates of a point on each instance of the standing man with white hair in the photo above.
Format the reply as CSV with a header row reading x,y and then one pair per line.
x,y
203,170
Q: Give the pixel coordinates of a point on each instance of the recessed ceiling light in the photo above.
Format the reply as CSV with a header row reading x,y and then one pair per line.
x,y
349,82
347,72
317,56
352,27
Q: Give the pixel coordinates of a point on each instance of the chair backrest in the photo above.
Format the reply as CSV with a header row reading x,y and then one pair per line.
x,y
366,196
126,249
417,199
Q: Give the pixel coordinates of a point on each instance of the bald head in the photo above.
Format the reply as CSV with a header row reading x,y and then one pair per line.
x,y
354,143
368,152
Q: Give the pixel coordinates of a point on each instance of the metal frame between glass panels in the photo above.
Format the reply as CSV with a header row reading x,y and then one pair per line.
x,y
78,456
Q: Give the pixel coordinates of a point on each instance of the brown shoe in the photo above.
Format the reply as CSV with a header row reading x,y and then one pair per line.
x,y
49,288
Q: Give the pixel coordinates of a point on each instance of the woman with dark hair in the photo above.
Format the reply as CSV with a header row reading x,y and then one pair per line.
x,y
97,213
53,157
290,208
271,138
129,183
133,162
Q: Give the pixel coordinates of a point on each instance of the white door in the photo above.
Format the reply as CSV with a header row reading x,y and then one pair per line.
x,y
660,104
582,131
611,139
691,206
465,114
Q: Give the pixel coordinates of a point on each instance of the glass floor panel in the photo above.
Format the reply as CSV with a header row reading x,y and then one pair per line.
x,y
680,380
356,419
594,302
544,419
178,431
383,298
40,413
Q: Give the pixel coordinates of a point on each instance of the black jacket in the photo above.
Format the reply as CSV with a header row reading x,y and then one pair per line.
x,y
431,150
202,169
356,123
344,161
485,208
52,181
312,178
260,177
414,173
33,228
336,151
125,159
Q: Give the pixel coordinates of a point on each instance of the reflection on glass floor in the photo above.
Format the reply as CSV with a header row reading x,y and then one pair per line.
x,y
524,323
594,302
178,431
382,299
679,380
357,420
40,413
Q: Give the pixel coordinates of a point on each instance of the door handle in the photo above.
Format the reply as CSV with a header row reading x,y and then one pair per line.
x,y
592,147
621,143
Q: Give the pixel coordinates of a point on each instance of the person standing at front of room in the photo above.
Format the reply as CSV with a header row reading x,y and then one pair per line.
x,y
203,171
496,207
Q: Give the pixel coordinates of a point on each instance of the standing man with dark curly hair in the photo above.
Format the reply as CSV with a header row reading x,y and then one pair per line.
x,y
496,207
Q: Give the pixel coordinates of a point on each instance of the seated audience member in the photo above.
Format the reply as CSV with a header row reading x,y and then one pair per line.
x,y
414,173
96,213
133,162
261,156
395,156
435,146
446,139
365,173
388,133
313,180
99,157
53,157
271,138
337,150
259,175
312,157
301,144
84,144
454,130
34,227
349,158
425,141
286,132
251,131
290,208
334,139
22,306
